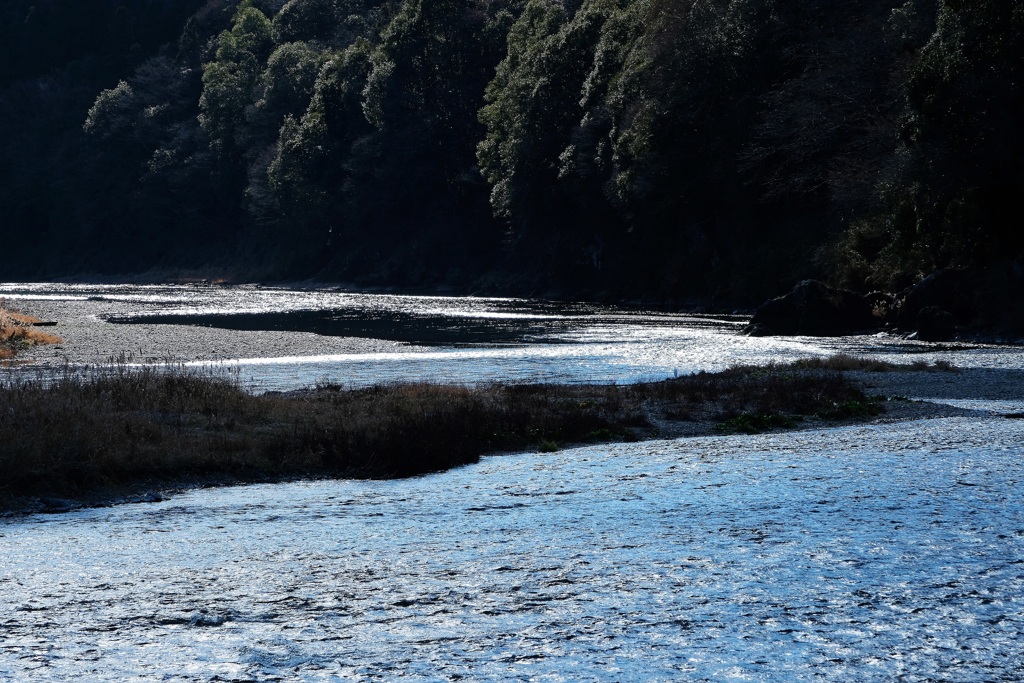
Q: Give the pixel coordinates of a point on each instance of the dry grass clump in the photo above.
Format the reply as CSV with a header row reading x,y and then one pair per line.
x,y
17,331
842,362
124,430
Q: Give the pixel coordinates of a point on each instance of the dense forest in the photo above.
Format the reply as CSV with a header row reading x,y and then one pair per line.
x,y
711,152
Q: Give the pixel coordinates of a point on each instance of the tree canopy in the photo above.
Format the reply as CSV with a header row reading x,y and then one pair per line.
x,y
708,150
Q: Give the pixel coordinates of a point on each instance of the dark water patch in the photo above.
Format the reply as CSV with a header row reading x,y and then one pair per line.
x,y
392,325
33,608
200,620
495,507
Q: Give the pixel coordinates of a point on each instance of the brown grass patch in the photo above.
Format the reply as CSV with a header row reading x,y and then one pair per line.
x,y
17,332
121,431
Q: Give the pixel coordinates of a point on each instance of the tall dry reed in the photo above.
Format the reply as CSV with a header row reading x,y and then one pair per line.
x,y
120,429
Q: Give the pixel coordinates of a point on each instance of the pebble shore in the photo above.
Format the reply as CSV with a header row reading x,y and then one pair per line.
x,y
90,340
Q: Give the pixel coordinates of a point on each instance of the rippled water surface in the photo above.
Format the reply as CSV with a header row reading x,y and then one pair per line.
x,y
871,553
867,553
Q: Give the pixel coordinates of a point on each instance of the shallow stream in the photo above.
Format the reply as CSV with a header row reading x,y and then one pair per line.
x,y
869,553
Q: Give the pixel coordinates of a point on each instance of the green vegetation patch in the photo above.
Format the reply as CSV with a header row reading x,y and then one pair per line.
x,y
548,447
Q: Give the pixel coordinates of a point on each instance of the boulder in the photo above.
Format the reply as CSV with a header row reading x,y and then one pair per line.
x,y
757,330
949,290
815,309
935,324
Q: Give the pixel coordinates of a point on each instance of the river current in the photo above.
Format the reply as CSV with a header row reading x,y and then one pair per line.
x,y
867,553
365,339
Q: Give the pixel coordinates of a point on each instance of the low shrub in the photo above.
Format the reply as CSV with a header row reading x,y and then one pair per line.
x,y
842,362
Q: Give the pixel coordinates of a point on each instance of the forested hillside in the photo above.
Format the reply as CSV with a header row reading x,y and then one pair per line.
x,y
712,151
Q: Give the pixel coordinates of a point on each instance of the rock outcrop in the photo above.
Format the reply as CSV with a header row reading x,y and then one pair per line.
x,y
935,324
814,309
947,290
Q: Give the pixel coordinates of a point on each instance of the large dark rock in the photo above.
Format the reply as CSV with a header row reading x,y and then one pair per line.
x,y
935,324
758,330
815,309
948,290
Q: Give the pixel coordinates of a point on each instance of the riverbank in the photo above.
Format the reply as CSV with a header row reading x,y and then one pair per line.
x,y
127,433
89,339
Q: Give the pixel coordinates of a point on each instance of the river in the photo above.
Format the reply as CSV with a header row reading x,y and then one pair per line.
x,y
280,339
877,552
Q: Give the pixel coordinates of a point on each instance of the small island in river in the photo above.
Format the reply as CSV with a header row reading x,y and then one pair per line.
x,y
93,433
120,433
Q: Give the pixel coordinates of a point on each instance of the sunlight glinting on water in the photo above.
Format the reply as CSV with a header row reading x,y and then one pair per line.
x,y
864,553
536,341
630,358
868,553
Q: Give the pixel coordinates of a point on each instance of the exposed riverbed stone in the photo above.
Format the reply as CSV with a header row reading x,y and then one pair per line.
x,y
935,324
814,309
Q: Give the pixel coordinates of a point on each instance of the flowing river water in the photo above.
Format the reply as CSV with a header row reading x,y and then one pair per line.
x,y
876,552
